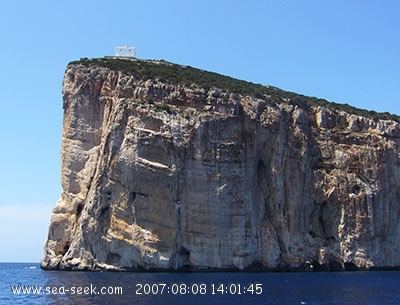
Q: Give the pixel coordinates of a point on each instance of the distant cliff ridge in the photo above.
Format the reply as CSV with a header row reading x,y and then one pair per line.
x,y
167,167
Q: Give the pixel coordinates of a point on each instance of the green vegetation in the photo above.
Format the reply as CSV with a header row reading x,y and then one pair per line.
x,y
192,77
162,107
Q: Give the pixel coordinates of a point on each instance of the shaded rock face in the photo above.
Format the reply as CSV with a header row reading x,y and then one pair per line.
x,y
163,176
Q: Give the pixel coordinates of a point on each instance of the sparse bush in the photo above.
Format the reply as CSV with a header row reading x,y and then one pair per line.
x,y
163,107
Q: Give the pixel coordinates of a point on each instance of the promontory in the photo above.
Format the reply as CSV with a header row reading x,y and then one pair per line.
x,y
168,167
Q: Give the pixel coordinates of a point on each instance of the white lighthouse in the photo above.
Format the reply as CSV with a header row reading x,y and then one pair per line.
x,y
125,51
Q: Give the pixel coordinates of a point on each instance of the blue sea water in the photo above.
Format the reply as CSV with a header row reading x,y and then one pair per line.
x,y
67,287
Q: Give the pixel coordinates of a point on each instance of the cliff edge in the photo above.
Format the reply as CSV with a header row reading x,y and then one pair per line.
x,y
166,167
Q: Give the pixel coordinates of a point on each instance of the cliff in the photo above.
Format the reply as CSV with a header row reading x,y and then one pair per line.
x,y
169,167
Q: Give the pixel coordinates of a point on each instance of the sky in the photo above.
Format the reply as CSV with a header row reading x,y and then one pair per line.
x,y
346,51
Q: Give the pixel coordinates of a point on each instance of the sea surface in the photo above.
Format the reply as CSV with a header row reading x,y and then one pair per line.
x,y
26,283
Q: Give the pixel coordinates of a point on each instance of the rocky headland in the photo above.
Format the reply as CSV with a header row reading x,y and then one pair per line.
x,y
167,167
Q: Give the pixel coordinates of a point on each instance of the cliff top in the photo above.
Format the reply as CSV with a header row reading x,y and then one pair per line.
x,y
188,76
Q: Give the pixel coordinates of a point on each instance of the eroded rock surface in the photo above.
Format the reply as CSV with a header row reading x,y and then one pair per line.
x,y
167,176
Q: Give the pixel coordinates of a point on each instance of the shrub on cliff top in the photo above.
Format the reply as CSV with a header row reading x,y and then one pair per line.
x,y
186,75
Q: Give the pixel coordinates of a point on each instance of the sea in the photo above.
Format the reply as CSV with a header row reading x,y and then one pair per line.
x,y
26,283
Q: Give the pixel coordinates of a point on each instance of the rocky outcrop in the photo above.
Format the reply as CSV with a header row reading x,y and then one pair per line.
x,y
159,175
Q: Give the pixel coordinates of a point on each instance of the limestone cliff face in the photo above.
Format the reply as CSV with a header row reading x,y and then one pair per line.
x,y
159,175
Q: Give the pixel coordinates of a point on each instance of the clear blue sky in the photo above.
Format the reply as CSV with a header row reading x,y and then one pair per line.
x,y
343,51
